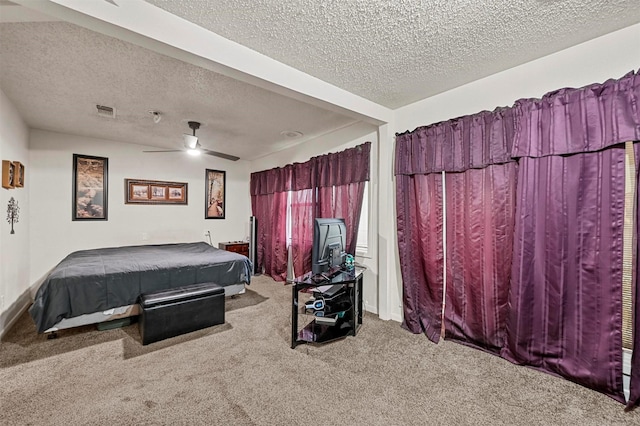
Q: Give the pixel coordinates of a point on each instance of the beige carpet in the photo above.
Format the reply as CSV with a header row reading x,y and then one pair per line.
x,y
244,373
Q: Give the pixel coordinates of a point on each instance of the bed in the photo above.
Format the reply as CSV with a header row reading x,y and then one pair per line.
x,y
92,286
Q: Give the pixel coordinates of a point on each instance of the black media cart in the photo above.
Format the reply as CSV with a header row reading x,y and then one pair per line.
x,y
326,310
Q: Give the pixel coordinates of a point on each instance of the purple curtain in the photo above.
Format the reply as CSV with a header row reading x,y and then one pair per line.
x,y
343,172
564,310
419,204
480,213
340,179
302,210
569,121
565,316
344,201
469,142
270,209
566,307
475,151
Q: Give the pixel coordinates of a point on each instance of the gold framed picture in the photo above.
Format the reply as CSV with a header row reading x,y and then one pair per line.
x,y
138,191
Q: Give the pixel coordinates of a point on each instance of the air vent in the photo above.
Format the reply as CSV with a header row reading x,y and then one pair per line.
x,y
105,111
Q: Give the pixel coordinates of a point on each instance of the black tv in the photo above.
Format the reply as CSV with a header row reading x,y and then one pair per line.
x,y
329,244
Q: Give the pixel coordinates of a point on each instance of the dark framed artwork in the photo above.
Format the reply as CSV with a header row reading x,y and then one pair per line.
x,y
155,192
214,206
90,179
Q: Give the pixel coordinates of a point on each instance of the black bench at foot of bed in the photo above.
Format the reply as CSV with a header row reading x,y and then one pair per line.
x,y
170,313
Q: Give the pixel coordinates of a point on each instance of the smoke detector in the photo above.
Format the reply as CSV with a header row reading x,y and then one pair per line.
x,y
106,111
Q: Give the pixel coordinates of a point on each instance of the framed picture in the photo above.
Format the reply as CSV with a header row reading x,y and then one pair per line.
x,y
90,177
214,206
154,192
8,174
18,179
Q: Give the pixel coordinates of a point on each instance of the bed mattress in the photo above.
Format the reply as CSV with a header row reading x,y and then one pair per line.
x,y
97,280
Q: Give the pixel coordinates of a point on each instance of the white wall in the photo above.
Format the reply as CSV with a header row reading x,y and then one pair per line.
x,y
54,235
340,140
609,56
14,248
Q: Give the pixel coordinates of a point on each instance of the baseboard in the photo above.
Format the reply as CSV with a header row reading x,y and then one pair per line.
x,y
371,308
17,308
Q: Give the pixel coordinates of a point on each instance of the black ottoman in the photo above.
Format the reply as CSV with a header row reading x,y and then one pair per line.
x,y
170,313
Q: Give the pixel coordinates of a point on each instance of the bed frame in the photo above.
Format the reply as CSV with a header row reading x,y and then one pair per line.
x,y
99,285
119,313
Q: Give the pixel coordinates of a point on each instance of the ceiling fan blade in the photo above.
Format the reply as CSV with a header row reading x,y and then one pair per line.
x,y
168,150
221,155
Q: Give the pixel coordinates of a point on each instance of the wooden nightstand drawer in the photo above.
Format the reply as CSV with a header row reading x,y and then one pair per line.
x,y
240,247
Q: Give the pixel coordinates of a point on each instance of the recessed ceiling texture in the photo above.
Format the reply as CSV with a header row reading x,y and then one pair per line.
x,y
378,55
398,52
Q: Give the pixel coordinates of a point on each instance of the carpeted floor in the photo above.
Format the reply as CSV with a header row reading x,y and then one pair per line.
x,y
244,373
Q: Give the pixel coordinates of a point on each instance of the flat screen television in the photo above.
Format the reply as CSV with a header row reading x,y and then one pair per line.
x,y
329,244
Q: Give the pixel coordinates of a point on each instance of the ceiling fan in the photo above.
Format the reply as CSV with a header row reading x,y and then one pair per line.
x,y
193,147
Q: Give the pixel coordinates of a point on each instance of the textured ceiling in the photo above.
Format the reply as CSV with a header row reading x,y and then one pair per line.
x,y
397,52
56,73
390,52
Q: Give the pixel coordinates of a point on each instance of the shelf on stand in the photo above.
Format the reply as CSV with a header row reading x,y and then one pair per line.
x,y
346,309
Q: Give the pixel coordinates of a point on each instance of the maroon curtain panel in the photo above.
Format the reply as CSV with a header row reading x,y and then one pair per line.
x,y
421,252
343,201
344,173
480,216
566,308
270,212
479,199
302,212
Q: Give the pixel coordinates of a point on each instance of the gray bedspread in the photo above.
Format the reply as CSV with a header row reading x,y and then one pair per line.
x,y
91,281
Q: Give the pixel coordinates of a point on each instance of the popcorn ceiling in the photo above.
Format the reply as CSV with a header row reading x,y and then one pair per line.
x,y
395,52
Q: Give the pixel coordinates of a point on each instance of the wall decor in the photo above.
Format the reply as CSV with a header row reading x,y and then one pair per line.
x,y
13,213
8,174
18,178
139,191
90,178
214,207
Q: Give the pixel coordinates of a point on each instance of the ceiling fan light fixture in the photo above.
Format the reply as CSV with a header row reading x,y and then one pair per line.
x,y
194,151
190,141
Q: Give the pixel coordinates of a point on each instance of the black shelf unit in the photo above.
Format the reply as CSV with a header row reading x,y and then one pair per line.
x,y
346,311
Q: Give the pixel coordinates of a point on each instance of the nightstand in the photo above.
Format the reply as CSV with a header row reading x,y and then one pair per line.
x,y
240,247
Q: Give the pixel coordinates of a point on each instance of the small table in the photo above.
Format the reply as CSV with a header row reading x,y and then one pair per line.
x,y
240,247
326,324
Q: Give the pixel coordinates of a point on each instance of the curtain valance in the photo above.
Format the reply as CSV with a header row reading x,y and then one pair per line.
x,y
570,121
469,142
292,177
565,121
334,169
342,168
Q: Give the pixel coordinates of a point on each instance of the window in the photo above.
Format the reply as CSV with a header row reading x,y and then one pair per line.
x,y
362,242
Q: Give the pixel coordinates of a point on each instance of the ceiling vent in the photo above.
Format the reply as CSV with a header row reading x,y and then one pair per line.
x,y
105,111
